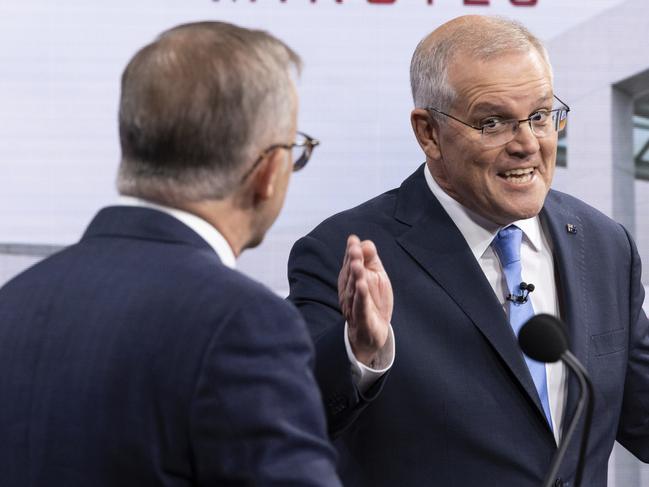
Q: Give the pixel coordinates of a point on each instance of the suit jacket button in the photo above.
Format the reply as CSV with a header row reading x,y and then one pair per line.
x,y
558,483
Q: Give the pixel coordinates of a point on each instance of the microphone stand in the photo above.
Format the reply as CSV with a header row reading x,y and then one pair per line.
x,y
586,396
589,399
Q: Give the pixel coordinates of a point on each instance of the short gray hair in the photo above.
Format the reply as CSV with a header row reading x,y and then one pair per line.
x,y
196,105
486,39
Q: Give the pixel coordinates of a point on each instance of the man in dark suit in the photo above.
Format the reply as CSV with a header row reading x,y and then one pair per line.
x,y
139,357
432,388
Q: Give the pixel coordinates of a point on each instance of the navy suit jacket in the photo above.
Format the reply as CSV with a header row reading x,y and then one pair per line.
x,y
459,407
136,358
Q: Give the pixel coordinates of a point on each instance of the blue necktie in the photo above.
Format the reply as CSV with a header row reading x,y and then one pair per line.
x,y
507,246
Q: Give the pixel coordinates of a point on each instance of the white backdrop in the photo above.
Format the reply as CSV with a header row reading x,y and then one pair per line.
x,y
61,63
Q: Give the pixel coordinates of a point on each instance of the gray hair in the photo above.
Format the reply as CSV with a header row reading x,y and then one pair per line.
x,y
197,106
483,37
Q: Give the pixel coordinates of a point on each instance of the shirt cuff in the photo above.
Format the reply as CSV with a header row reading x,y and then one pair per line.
x,y
363,376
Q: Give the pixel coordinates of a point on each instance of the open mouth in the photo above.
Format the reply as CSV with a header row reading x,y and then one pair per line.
x,y
518,176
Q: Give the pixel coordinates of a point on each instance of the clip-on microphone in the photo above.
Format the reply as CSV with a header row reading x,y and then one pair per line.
x,y
521,298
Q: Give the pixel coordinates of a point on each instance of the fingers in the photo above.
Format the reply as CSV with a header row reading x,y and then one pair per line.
x,y
371,256
349,272
369,249
347,296
360,303
360,257
354,297
356,274
352,251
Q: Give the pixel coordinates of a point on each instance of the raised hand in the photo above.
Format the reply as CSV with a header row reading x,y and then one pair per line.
x,y
366,300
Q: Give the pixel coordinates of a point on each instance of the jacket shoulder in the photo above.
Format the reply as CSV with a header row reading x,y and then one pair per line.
x,y
374,211
566,204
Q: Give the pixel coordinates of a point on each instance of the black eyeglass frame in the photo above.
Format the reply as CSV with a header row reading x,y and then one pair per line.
x,y
309,144
565,108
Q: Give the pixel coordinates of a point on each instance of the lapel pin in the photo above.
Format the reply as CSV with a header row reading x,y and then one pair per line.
x,y
570,228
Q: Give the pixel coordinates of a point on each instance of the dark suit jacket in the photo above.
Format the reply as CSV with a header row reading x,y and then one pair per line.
x,y
135,358
459,407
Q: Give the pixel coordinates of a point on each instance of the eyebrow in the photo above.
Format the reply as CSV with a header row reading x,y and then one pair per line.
x,y
484,108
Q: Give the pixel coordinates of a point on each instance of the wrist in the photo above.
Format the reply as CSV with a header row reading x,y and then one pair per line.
x,y
367,358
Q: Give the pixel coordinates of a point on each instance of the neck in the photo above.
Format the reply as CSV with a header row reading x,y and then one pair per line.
x,y
231,222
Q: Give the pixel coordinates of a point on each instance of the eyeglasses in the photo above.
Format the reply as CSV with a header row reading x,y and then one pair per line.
x,y
496,131
301,151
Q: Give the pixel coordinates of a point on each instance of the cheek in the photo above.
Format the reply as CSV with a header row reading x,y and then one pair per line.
x,y
481,168
549,156
469,169
478,181
548,147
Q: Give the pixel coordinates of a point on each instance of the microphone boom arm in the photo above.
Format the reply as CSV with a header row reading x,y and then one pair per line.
x,y
585,402
589,399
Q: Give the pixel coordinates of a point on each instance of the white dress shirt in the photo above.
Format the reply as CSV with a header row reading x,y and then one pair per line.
x,y
206,231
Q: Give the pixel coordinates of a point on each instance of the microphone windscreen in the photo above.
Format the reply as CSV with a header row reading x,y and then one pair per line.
x,y
543,338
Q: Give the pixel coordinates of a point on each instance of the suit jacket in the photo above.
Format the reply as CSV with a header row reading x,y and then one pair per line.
x,y
458,407
135,358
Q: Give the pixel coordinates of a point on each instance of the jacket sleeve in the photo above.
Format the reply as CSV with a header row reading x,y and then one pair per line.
x,y
313,273
633,429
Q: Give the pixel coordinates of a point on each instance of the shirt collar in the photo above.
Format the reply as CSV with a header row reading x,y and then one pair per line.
x,y
207,232
476,230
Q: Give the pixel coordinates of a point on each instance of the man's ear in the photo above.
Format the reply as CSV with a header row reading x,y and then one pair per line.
x,y
426,130
265,178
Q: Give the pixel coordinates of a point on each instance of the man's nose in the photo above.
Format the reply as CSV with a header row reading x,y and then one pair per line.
x,y
525,141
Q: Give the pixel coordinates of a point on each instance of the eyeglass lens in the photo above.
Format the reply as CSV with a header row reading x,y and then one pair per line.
x,y
541,127
301,152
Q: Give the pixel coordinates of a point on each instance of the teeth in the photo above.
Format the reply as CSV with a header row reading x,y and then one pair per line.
x,y
520,179
518,172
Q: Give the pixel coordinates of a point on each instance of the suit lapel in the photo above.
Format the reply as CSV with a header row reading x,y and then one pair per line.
x,y
568,241
438,246
568,236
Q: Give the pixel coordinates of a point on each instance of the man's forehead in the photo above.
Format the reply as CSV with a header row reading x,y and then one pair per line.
x,y
467,73
465,57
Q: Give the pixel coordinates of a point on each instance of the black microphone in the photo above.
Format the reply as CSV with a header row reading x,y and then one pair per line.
x,y
521,298
543,338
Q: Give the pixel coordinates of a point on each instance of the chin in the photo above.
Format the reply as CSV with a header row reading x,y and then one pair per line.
x,y
527,207
523,213
255,242
506,215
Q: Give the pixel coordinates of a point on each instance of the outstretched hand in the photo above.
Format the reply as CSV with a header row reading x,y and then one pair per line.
x,y
366,300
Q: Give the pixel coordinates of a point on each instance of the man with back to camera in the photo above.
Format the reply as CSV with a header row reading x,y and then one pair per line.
x,y
139,357
432,388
